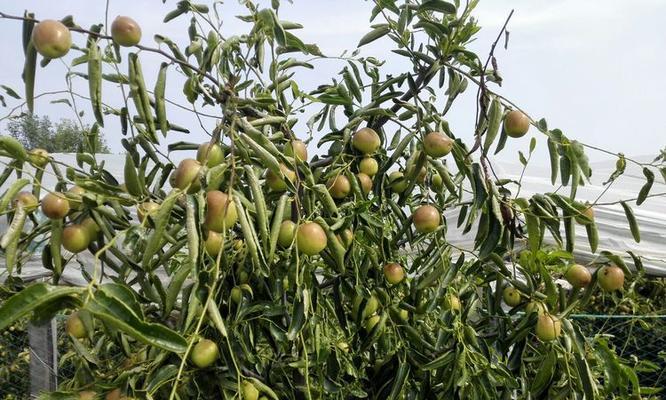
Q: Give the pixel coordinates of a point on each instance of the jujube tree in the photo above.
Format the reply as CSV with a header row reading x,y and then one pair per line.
x,y
251,270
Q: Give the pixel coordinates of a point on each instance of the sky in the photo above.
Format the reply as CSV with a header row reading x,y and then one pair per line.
x,y
591,68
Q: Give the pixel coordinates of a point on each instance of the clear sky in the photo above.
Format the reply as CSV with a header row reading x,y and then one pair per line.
x,y
592,68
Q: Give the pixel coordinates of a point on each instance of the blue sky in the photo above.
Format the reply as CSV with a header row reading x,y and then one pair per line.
x,y
591,68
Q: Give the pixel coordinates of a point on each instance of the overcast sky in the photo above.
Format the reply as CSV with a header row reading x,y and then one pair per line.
x,y
592,68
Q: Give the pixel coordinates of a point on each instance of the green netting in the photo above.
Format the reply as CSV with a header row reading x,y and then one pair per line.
x,y
639,338
14,362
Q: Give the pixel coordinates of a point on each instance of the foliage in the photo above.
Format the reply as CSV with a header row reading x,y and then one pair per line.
x,y
326,325
40,133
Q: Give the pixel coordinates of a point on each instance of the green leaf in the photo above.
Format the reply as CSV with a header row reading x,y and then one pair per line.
x,y
439,6
119,315
633,224
378,32
154,242
27,300
645,190
494,123
554,160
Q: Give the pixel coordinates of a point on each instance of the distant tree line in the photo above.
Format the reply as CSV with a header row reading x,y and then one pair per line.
x,y
64,136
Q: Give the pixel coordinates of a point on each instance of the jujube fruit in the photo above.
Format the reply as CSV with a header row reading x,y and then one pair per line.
x,y
55,206
437,144
311,238
578,276
75,197
75,238
437,182
236,294
146,209
394,273
187,175
397,181
210,155
87,395
204,353
366,140
346,237
516,124
213,243
338,186
38,157
26,200
535,307
286,233
125,31
296,149
426,218
275,182
74,326
451,302
368,166
220,211
51,38
248,391
365,181
611,278
91,227
548,327
511,296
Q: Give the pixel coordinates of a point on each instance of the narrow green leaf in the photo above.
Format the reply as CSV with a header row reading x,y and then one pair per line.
x,y
27,300
374,34
633,224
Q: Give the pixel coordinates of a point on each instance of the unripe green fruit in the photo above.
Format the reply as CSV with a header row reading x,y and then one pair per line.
x,y
368,166
548,327
51,38
511,296
366,140
276,183
578,276
204,353
346,237
213,244
38,158
248,391
236,294
437,182
516,124
75,238
437,144
394,273
210,155
187,174
74,326
426,219
55,206
611,278
397,182
311,238
365,181
221,211
286,233
296,149
125,31
338,186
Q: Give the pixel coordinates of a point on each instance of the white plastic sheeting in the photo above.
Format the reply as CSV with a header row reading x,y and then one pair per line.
x,y
612,225
614,234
